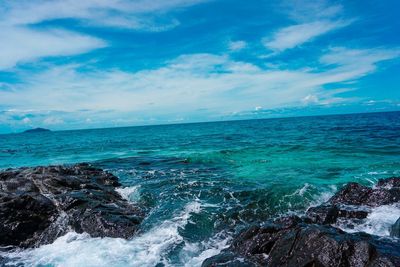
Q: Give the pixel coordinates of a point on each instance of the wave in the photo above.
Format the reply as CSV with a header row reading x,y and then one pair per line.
x,y
147,249
129,193
378,221
207,249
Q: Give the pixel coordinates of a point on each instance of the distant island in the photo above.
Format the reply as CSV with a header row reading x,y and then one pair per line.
x,y
37,130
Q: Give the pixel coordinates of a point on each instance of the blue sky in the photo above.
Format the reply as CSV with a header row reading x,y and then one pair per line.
x,y
67,64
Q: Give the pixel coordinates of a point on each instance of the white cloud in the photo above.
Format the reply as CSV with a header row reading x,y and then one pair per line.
x,y
350,57
189,83
21,43
237,45
311,20
353,64
53,121
26,121
310,99
296,35
114,13
310,10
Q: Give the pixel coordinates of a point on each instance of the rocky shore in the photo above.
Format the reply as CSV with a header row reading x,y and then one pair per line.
x,y
314,239
39,204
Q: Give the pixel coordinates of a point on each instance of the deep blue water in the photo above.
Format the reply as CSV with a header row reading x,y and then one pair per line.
x,y
201,183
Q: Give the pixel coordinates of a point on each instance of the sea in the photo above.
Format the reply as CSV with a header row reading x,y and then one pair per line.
x,y
202,183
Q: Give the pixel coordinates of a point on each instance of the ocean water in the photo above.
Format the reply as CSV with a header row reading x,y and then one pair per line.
x,y
202,183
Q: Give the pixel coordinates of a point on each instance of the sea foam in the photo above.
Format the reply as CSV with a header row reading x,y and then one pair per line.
x,y
147,249
129,193
378,221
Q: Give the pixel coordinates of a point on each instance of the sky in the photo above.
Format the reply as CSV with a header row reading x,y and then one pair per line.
x,y
69,64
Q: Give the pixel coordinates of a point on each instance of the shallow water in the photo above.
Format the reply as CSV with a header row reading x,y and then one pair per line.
x,y
201,183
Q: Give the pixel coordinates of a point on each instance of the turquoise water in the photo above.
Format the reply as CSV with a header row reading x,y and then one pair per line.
x,y
201,183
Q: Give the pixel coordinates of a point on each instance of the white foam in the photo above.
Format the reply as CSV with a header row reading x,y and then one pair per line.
x,y
302,190
306,192
130,193
378,222
190,254
75,249
323,197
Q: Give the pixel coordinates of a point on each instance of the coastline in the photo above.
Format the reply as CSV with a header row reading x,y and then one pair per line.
x,y
68,195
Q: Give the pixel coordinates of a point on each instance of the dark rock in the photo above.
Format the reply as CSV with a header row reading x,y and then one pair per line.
x,y
352,194
37,205
288,221
37,130
386,192
256,240
395,229
329,214
327,246
389,182
24,218
307,245
323,214
312,241
227,259
349,213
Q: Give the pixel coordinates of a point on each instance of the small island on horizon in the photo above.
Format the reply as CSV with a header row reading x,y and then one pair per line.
x,y
36,130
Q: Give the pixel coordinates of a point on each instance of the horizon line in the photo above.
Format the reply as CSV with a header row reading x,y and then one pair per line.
x,y
216,121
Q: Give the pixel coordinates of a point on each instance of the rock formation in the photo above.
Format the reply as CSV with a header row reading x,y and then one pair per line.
x,y
39,204
313,241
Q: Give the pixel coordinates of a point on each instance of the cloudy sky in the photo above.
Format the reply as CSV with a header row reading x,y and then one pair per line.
x,y
68,64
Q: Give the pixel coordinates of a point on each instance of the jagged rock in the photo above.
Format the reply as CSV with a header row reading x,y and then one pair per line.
x,y
329,214
307,245
354,200
327,246
395,229
389,182
386,192
323,214
227,259
37,205
311,241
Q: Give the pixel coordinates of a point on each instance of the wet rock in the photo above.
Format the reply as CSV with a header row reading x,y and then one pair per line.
x,y
354,201
24,218
256,240
350,213
312,241
389,182
227,259
307,245
37,205
395,229
327,246
288,221
386,192
330,214
323,214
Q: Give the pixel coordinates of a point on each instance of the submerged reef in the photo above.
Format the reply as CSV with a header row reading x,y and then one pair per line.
x,y
38,205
